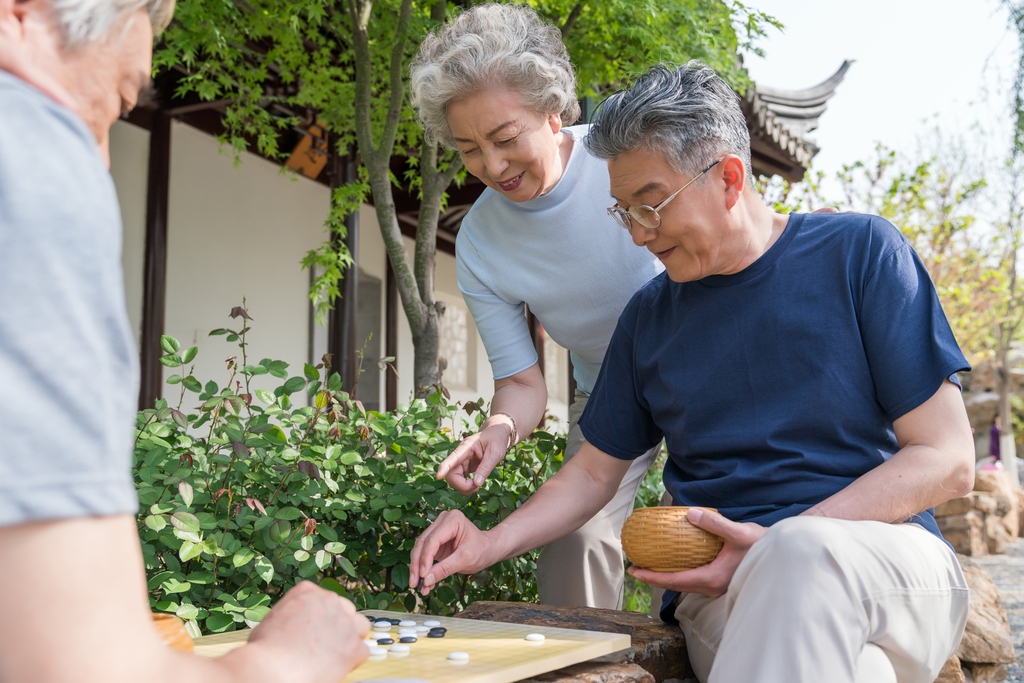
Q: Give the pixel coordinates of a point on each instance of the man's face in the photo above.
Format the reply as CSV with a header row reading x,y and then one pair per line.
x,y
687,241
98,81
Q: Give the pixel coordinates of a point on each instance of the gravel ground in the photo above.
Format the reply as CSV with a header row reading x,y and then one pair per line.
x,y
1007,572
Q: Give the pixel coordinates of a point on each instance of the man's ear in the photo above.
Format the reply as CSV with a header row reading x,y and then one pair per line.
x,y
734,173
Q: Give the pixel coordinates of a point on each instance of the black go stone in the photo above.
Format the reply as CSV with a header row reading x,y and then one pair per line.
x,y
385,641
407,639
439,629
433,634
394,622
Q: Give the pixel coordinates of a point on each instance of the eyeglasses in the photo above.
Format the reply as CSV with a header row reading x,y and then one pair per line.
x,y
647,216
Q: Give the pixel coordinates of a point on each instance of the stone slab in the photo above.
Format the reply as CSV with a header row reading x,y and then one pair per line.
x,y
987,638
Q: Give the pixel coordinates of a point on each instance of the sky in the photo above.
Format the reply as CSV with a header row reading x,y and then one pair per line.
x,y
919,65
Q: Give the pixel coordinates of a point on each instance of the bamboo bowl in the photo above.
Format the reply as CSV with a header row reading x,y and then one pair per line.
x,y
662,540
172,632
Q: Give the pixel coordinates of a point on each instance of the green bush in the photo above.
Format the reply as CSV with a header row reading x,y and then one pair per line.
x,y
246,493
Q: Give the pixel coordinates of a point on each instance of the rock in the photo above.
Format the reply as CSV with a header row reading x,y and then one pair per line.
x,y
987,638
591,672
995,535
981,408
966,521
951,672
658,648
969,542
1011,522
985,673
990,480
985,503
957,506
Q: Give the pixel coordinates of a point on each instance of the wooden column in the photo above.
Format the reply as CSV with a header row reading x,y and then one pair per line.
x,y
391,338
155,266
342,340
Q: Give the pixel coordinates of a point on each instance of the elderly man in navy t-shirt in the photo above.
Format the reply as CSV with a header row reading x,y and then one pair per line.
x,y
803,376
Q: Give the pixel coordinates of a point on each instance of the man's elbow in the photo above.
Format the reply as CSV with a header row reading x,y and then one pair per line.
x,y
960,481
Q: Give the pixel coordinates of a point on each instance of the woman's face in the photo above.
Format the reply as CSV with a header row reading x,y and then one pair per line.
x,y
509,147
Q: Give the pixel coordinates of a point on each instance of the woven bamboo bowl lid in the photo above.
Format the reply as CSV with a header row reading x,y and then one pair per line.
x,y
663,540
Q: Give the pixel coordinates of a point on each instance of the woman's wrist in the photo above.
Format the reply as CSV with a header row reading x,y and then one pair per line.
x,y
506,420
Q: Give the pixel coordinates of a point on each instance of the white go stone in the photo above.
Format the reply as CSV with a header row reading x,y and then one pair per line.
x,y
407,632
422,629
431,622
407,622
370,642
535,637
382,625
378,651
380,634
399,647
458,656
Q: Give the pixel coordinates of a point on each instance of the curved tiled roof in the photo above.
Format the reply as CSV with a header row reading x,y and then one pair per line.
x,y
780,119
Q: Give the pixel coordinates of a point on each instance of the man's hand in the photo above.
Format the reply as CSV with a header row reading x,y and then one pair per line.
x,y
711,579
452,544
466,468
310,635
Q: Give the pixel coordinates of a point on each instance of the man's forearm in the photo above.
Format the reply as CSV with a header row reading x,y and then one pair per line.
x,y
563,504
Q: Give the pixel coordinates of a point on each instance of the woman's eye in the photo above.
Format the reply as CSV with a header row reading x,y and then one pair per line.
x,y
468,152
509,141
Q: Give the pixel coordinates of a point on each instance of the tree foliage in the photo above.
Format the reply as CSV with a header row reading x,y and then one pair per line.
x,y
287,64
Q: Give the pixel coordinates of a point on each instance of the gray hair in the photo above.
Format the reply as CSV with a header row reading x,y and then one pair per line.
x,y
492,45
687,114
88,21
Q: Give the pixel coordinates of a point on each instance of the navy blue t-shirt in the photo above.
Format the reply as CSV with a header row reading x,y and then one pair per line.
x,y
777,386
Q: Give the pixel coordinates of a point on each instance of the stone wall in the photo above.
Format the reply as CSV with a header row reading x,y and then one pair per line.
x,y
986,519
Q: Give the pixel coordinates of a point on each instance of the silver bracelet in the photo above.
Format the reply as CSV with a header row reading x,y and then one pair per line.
x,y
515,432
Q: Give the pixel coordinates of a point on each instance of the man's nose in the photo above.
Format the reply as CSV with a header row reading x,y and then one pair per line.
x,y
641,234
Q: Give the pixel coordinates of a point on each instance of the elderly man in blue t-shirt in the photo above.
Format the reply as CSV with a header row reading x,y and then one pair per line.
x,y
803,376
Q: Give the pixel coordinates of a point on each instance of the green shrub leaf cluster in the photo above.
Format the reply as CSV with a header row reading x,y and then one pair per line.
x,y
245,493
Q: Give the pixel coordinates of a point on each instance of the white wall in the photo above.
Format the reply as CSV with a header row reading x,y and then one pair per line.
x,y
235,232
129,156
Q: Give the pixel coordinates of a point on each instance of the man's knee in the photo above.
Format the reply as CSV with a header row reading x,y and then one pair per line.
x,y
801,545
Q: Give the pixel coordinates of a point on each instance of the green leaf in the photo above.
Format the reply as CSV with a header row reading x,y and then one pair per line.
x,y
185,521
266,396
276,436
218,622
189,354
355,496
306,542
169,344
157,579
172,360
187,611
172,585
392,515
294,384
322,559
156,522
202,578
189,551
242,557
193,629
400,576
192,384
335,548
332,585
288,513
300,555
280,531
254,615
346,565
310,372
185,491
265,570
350,458
322,400
174,379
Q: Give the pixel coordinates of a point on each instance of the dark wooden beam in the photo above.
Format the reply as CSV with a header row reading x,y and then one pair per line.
x,y
155,260
391,338
537,334
342,340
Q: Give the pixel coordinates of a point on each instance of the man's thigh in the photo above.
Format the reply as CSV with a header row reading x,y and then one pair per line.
x,y
906,596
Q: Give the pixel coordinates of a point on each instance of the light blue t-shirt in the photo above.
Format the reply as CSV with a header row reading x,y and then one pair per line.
x,y
561,254
68,365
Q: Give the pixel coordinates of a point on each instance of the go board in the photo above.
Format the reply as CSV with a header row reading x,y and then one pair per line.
x,y
498,652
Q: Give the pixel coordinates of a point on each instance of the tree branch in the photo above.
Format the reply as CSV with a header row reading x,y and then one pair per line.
x,y
574,15
387,139
439,10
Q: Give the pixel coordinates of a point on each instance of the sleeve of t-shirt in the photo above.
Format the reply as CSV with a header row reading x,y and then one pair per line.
x,y
910,347
501,324
68,366
617,419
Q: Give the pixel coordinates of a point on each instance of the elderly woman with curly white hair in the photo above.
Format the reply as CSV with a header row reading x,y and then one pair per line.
x,y
496,84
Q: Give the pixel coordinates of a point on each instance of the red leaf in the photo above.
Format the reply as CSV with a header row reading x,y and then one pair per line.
x,y
309,525
219,494
309,469
238,311
239,449
187,458
247,398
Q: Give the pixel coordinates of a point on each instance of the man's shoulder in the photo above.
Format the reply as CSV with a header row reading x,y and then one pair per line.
x,y
653,295
855,237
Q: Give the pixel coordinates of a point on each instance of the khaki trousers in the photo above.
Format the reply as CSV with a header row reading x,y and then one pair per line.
x,y
820,599
587,567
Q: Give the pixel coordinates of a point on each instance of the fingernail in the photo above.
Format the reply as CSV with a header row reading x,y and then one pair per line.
x,y
694,515
430,580
479,480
